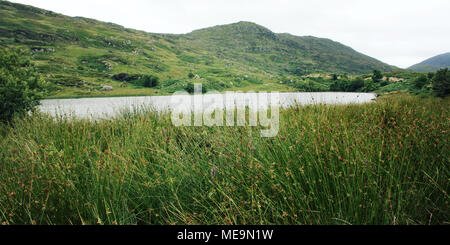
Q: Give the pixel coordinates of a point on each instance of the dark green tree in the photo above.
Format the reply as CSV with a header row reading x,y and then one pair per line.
x,y
335,77
420,82
369,86
356,85
377,76
346,85
441,82
150,81
21,87
190,88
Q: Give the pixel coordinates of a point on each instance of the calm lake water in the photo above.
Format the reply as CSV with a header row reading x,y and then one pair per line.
x,y
109,107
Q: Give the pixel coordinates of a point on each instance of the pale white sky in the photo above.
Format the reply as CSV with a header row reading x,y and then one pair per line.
x,y
398,32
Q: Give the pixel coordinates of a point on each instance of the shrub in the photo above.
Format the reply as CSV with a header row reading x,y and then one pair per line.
x,y
21,87
190,88
420,82
369,86
347,85
124,77
335,77
377,76
150,81
356,84
310,86
441,82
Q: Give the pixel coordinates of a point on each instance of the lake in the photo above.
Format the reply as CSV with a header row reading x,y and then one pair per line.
x,y
111,106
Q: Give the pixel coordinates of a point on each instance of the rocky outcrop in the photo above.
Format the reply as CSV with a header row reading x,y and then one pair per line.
x,y
107,88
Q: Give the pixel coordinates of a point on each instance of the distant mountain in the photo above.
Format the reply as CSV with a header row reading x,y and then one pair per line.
x,y
251,43
79,54
433,64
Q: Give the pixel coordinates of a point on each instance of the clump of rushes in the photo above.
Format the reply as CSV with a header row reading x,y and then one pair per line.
x,y
380,163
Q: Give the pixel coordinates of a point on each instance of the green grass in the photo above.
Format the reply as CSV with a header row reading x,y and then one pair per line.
x,y
70,50
378,163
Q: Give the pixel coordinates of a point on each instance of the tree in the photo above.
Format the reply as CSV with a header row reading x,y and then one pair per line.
x,y
441,82
369,86
420,82
150,81
21,87
346,85
377,76
356,84
336,86
340,85
335,77
190,88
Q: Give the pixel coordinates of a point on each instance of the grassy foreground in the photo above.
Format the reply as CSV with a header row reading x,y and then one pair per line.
x,y
380,163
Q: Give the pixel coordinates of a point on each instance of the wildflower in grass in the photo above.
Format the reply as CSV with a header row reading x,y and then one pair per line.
x,y
228,220
213,172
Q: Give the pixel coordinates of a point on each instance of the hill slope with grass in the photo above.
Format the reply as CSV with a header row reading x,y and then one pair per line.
x,y
78,56
432,64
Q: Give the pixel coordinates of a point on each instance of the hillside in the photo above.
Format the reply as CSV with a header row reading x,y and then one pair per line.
x,y
79,55
432,64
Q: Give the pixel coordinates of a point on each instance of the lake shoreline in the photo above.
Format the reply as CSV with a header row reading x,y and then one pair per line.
x,y
107,106
169,94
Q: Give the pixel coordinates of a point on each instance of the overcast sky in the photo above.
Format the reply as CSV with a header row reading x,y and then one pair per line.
x,y
398,32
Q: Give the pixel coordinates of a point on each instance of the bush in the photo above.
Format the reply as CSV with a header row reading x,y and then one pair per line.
x,y
420,82
441,82
21,87
150,81
335,77
190,88
347,85
369,86
124,77
356,84
310,86
377,76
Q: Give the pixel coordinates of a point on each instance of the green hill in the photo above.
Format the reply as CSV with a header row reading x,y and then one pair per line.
x,y
432,64
79,55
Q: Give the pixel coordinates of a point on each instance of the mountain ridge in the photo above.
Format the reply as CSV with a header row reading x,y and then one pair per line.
x,y
432,64
79,54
